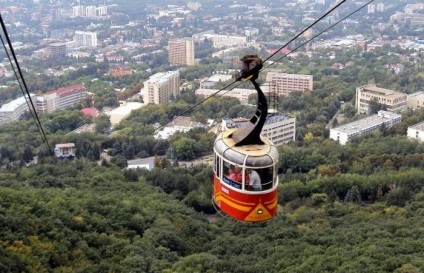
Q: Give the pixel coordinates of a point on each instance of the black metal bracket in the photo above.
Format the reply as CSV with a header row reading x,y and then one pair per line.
x,y
249,133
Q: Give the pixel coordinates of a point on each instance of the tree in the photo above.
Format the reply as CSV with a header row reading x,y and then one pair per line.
x,y
27,155
102,124
185,149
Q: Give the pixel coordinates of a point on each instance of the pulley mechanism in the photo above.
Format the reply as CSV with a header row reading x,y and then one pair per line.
x,y
249,133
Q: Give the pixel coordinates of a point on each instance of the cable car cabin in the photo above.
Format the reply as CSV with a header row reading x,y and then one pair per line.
x,y
245,179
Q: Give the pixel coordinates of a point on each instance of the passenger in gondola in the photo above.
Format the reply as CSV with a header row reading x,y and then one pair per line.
x,y
253,182
236,174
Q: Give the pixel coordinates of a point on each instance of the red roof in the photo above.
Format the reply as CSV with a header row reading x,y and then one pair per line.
x,y
68,89
65,145
90,111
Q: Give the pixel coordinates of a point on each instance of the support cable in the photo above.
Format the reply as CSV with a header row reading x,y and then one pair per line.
x,y
25,89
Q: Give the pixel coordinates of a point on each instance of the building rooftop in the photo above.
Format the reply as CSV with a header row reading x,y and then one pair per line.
x,y
65,145
380,91
286,75
162,77
271,118
367,122
90,111
126,108
418,126
67,89
186,122
417,95
14,104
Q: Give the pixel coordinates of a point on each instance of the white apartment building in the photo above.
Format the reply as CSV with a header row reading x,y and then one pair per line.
x,y
415,101
101,11
282,84
239,93
13,110
61,98
356,129
416,131
85,38
78,11
391,100
181,51
279,128
90,11
223,41
161,87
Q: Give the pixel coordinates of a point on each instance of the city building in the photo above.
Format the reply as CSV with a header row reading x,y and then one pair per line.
x,y
90,11
181,51
61,98
78,11
371,8
64,150
161,87
369,95
416,131
123,111
101,11
13,110
239,93
85,38
282,84
358,128
380,7
56,49
214,79
142,163
279,128
178,124
194,5
120,70
221,41
250,32
415,101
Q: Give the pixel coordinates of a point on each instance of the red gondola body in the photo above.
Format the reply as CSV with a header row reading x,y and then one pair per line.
x,y
242,206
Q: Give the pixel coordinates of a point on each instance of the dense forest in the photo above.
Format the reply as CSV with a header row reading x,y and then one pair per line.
x,y
82,217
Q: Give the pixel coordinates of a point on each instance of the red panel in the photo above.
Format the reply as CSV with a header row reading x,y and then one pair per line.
x,y
245,206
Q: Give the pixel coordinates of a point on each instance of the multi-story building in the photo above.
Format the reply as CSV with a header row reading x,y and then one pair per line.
x,y
369,95
101,11
380,7
194,5
120,70
78,11
221,41
181,51
161,87
90,11
61,98
415,101
365,126
282,84
416,131
371,8
279,128
85,38
239,93
13,110
57,49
